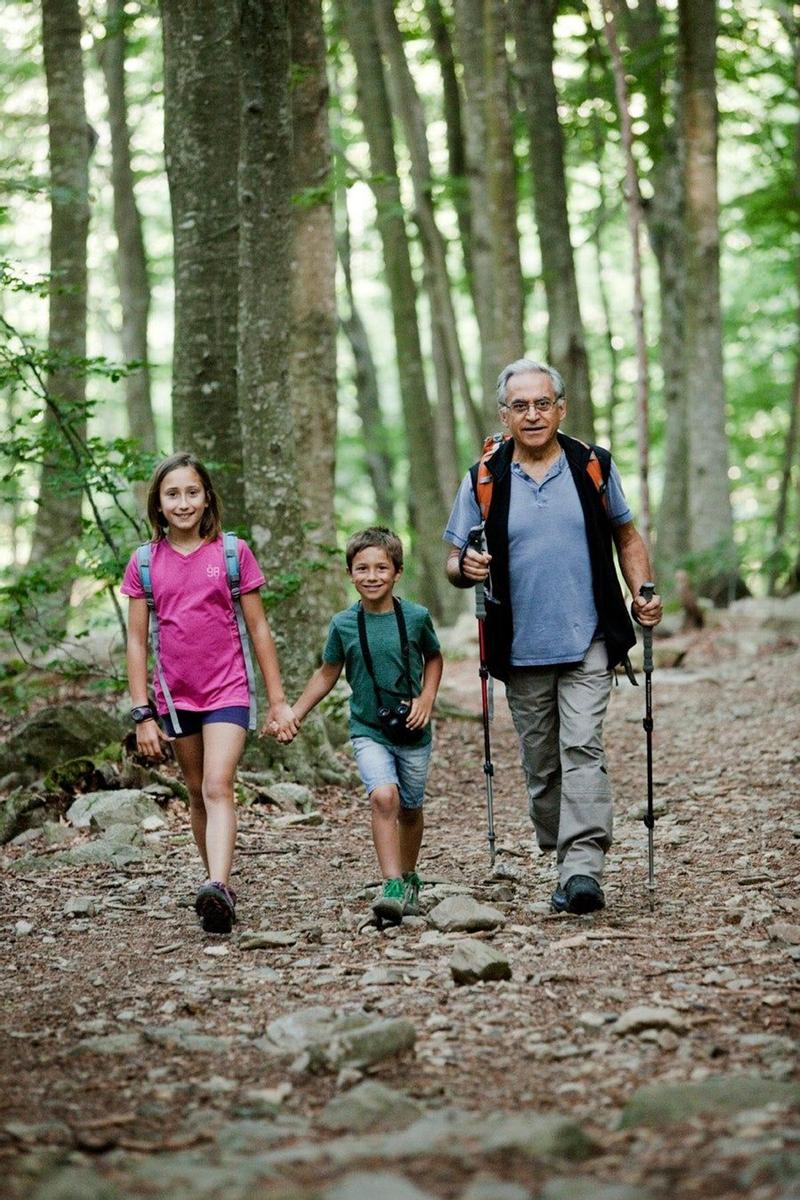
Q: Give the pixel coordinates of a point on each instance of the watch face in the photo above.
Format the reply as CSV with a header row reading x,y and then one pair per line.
x,y
140,714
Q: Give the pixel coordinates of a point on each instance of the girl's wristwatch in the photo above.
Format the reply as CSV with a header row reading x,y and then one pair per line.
x,y
142,713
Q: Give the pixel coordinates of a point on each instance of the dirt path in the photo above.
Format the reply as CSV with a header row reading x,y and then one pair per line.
x,y
134,1061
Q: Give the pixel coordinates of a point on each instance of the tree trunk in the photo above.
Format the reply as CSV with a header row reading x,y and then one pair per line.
x,y
456,151
408,108
566,342
711,521
791,21
312,338
131,259
469,36
667,232
426,507
365,380
634,210
201,135
58,515
508,317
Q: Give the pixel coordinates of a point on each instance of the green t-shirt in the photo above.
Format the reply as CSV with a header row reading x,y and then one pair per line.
x,y
383,638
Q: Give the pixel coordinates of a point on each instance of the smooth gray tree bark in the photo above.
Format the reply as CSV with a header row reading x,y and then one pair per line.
x,y
426,505
131,258
201,135
710,515
566,343
58,515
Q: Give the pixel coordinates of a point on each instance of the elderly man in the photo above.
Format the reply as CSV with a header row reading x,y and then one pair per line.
x,y
556,622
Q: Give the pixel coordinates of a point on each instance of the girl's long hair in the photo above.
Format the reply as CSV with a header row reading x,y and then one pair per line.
x,y
211,524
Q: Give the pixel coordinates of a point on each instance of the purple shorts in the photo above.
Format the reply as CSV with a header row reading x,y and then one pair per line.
x,y
192,722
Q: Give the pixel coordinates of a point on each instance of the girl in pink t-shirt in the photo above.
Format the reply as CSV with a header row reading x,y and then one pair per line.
x,y
202,662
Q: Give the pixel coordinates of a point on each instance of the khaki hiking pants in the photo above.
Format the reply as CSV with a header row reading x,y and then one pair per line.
x,y
558,714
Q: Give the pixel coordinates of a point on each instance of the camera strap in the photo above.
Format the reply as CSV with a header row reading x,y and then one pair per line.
x,y
365,651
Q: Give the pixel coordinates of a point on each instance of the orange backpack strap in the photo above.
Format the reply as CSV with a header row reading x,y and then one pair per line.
x,y
598,472
483,480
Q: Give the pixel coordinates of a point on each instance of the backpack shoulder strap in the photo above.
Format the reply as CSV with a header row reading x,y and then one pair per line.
x,y
598,468
230,546
143,563
143,559
482,478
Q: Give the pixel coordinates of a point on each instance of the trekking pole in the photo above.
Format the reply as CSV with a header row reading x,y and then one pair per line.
x,y
647,590
476,540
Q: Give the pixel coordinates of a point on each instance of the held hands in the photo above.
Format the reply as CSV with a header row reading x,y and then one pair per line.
x,y
420,713
281,723
647,614
475,566
149,739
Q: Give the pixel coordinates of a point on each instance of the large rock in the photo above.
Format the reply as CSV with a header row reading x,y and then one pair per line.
x,y
473,961
666,1103
370,1105
127,806
58,733
326,1040
372,1185
20,811
465,913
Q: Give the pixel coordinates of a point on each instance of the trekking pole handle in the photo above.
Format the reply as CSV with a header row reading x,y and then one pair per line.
x,y
647,591
476,540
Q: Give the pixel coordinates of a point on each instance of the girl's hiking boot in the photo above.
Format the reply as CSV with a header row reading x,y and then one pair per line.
x,y
411,885
215,905
580,894
390,904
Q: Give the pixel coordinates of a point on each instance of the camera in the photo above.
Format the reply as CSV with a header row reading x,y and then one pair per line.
x,y
393,724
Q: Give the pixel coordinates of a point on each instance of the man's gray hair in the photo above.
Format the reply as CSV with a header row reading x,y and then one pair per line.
x,y
521,367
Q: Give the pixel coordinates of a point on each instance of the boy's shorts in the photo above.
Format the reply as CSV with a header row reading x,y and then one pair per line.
x,y
404,766
192,722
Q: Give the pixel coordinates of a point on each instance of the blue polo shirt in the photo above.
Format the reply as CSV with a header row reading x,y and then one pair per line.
x,y
550,571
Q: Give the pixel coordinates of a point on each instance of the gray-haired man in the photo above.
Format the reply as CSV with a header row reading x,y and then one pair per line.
x,y
558,624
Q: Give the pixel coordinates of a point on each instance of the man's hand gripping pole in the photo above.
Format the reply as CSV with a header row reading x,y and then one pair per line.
x,y
476,540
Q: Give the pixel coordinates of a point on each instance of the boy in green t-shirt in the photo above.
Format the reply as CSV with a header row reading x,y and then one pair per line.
x,y
393,664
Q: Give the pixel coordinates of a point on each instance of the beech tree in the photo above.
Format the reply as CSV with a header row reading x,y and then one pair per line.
x,y
58,515
566,345
201,138
426,506
710,517
131,259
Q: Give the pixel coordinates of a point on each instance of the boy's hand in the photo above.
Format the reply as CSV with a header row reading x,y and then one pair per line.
x,y
420,713
281,723
149,739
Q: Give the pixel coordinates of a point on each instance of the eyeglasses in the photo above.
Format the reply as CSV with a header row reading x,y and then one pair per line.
x,y
520,407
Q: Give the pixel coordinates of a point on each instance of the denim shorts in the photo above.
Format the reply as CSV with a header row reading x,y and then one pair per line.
x,y
404,766
193,722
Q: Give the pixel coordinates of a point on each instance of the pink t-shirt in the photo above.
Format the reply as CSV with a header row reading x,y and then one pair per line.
x,y
201,655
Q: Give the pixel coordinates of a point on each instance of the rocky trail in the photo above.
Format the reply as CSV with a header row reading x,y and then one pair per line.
x,y
309,1056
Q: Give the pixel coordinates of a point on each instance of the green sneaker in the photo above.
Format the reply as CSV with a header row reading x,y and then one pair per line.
x,y
411,885
389,905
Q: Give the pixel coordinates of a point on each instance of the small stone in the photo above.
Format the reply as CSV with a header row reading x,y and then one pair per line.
x,y
80,906
127,806
291,794
782,931
23,928
595,1020
152,823
217,1084
266,939
381,976
645,1016
293,819
216,951
267,1101
370,1105
361,1185
465,913
489,1187
473,961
